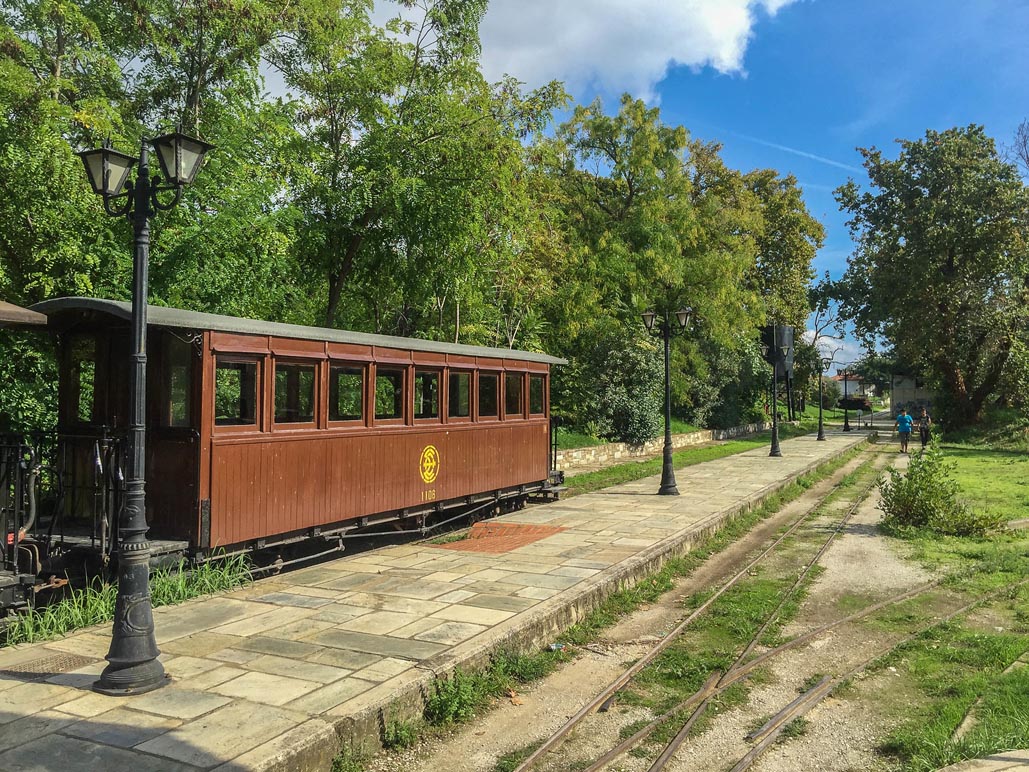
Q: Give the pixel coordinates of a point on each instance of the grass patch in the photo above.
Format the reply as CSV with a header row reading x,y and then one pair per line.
x,y
347,760
510,761
956,670
1000,429
460,697
94,604
994,480
450,538
397,735
622,473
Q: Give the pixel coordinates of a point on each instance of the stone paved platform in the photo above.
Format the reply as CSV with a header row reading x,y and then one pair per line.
x,y
277,675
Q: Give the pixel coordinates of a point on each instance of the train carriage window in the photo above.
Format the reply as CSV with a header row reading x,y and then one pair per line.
x,y
426,394
513,395
235,393
178,383
537,395
294,393
459,400
83,379
389,393
346,393
488,402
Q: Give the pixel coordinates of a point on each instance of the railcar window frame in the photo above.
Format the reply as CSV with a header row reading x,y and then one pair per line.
x,y
355,367
176,357
281,363
437,374
256,425
459,372
519,411
495,415
541,379
393,419
75,371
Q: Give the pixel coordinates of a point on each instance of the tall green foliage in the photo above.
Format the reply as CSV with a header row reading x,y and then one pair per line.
x,y
941,267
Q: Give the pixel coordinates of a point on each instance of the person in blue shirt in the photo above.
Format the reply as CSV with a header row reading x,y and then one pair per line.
x,y
904,422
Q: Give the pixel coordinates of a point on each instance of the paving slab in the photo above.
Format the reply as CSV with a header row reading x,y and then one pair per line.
x,y
271,676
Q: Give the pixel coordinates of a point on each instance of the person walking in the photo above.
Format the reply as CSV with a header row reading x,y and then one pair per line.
x,y
924,422
903,427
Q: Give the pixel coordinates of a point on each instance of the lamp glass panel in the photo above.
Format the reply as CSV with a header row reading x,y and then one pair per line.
x,y
648,319
120,166
192,154
180,156
683,316
94,163
166,157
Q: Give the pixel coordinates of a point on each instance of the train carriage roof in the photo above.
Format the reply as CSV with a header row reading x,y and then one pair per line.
x,y
16,316
161,316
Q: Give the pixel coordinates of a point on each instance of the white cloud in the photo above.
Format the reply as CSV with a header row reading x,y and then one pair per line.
x,y
616,45
843,351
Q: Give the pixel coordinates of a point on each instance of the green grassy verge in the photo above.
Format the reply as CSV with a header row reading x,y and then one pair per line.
x,y
1000,429
94,605
615,475
960,666
569,439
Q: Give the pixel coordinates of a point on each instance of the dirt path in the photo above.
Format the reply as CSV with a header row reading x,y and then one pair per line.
x,y
549,703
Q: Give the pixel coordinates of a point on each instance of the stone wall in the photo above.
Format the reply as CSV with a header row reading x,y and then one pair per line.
x,y
613,451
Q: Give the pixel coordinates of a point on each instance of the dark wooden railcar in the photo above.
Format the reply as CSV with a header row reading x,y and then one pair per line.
x,y
260,433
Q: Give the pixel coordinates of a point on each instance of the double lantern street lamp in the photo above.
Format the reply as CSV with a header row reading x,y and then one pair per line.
x,y
825,361
665,329
133,667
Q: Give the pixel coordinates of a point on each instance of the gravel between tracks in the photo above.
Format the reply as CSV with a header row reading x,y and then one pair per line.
x,y
840,734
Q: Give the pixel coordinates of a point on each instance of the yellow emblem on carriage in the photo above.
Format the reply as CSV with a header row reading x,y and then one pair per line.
x,y
428,464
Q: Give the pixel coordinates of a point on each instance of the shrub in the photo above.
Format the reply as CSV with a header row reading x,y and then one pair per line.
x,y
397,735
927,497
453,699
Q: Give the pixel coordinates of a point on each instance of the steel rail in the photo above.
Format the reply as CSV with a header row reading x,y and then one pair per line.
x,y
612,688
770,732
732,676
683,733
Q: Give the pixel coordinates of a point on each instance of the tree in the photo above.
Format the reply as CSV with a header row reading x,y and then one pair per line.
x,y
400,137
787,242
941,269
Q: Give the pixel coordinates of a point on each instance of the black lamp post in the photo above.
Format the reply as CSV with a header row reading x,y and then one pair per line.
x,y
133,667
665,330
821,427
846,405
772,355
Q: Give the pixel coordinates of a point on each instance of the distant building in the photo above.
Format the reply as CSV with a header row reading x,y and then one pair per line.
x,y
910,392
853,386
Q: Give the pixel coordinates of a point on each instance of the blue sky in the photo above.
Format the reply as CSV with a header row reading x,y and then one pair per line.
x,y
795,85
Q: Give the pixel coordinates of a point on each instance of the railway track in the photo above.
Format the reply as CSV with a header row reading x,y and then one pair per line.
x,y
741,668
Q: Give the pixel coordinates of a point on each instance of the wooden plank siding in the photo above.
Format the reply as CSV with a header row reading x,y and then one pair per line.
x,y
269,480
264,488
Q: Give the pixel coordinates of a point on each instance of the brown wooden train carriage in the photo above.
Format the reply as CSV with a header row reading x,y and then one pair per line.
x,y
261,432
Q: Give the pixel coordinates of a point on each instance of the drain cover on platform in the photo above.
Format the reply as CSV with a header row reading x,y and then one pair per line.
x,y
38,669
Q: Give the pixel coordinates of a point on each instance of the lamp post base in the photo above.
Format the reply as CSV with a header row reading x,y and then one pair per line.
x,y
668,489
132,679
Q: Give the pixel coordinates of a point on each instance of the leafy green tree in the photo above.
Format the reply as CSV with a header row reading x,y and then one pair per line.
x,y
401,136
941,269
787,242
